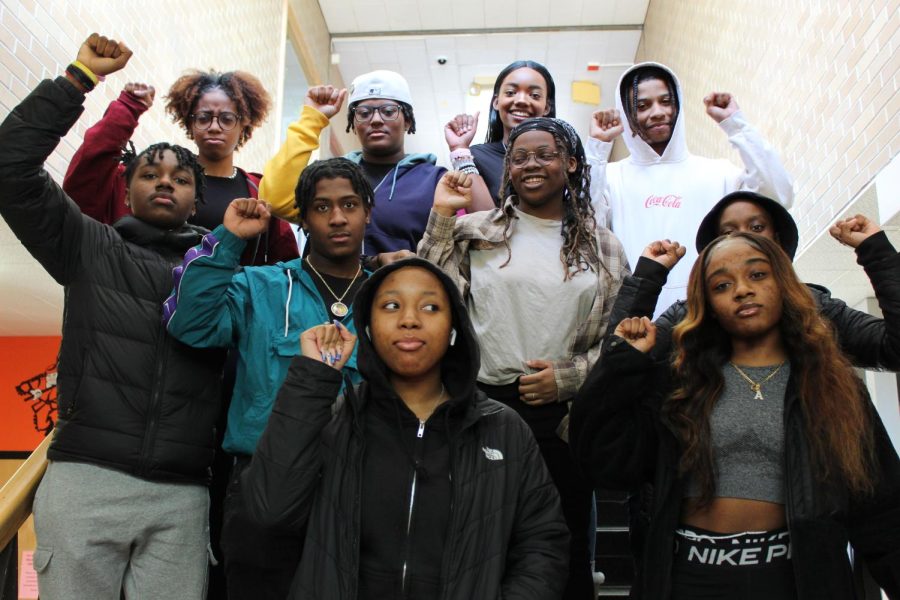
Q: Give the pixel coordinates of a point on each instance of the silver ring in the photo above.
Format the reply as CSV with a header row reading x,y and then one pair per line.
x,y
532,396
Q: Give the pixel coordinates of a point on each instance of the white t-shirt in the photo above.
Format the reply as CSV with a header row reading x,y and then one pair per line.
x,y
525,310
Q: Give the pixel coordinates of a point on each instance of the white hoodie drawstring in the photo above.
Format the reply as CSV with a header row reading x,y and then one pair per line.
x,y
287,305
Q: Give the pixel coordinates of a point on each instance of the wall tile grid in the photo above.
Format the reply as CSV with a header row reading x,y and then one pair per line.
x,y
38,40
819,79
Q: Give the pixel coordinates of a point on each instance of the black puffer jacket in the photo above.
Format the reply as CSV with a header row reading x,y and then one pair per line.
x,y
506,536
130,397
620,441
869,342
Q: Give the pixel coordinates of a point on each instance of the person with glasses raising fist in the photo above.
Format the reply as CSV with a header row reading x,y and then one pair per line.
x,y
219,111
539,277
381,114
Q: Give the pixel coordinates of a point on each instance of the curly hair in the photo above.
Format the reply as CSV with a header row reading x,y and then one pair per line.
x,y
331,168
249,96
579,249
187,160
838,427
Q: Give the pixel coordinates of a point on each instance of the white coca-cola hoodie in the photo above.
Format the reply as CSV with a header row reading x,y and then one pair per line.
x,y
647,197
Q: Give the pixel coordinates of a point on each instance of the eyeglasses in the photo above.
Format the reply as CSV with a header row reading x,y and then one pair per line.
x,y
227,120
388,112
542,157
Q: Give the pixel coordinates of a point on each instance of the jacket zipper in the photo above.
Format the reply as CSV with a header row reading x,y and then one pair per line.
x,y
155,400
420,435
156,394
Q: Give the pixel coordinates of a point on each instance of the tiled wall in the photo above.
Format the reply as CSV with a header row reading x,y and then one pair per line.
x,y
820,79
39,38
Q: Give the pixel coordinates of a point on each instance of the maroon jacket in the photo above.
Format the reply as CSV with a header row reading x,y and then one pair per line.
x,y
94,181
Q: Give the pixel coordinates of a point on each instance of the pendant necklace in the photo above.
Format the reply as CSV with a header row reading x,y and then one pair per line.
x,y
756,386
338,308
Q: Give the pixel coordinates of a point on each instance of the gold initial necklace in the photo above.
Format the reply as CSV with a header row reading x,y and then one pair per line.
x,y
756,386
338,308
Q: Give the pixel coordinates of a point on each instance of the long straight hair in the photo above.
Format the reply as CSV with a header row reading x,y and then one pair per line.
x,y
834,406
495,125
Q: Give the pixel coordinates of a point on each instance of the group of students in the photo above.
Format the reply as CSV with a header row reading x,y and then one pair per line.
x,y
399,426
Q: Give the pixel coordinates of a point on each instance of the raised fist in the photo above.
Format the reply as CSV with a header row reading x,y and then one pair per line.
x,y
246,217
665,252
453,192
720,105
606,125
639,332
144,92
331,343
854,231
460,131
326,99
103,55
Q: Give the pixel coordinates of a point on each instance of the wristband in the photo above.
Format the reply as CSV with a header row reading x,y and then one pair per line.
x,y
81,77
460,153
84,69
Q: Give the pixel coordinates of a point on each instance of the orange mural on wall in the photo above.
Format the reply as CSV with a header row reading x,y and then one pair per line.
x,y
27,391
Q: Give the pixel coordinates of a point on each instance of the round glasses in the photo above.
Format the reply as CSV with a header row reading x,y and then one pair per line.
x,y
542,157
227,120
388,112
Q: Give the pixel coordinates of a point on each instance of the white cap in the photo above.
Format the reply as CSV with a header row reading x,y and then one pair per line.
x,y
380,84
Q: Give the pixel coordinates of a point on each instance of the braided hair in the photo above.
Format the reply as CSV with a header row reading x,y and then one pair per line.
x,y
246,91
187,160
331,168
579,249
495,125
628,90
405,108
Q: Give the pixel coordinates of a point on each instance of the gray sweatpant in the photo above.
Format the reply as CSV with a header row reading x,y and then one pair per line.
x,y
101,531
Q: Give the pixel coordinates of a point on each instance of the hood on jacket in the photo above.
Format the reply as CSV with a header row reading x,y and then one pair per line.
x,y
459,366
407,162
641,152
142,233
784,224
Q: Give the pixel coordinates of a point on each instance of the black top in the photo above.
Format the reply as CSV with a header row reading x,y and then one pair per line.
x,y
220,191
489,161
392,444
339,285
131,397
375,172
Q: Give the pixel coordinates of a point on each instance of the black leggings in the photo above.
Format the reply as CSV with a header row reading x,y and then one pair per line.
x,y
743,566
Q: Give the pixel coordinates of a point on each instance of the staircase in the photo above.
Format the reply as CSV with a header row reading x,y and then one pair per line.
x,y
613,570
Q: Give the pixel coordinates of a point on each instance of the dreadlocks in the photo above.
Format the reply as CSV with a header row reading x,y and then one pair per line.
x,y
579,249
249,96
153,153
629,92
332,168
405,108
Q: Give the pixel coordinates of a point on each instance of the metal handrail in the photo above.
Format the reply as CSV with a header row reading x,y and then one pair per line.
x,y
17,494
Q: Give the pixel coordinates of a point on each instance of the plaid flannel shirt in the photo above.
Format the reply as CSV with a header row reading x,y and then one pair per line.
x,y
447,243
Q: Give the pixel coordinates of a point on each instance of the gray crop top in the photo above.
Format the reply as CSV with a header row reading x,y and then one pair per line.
x,y
748,436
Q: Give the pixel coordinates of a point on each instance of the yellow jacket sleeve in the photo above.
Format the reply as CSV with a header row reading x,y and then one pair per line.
x,y
283,170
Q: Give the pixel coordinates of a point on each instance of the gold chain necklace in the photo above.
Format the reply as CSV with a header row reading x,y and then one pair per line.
x,y
338,308
754,386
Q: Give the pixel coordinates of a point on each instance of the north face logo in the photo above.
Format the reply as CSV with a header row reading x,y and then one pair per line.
x,y
492,454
